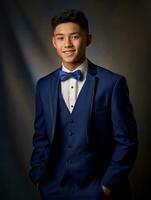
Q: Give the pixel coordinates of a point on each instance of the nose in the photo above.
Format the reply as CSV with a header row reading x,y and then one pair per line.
x,y
68,43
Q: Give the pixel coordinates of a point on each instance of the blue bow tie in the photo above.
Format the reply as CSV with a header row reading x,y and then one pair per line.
x,y
66,75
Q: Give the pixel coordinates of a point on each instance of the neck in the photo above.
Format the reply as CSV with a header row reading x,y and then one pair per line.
x,y
73,66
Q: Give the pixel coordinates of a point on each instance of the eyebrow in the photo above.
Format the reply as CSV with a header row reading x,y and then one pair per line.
x,y
60,34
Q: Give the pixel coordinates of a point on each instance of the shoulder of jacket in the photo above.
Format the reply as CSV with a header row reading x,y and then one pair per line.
x,y
45,79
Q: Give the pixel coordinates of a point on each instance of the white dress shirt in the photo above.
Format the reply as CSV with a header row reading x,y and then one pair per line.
x,y
71,88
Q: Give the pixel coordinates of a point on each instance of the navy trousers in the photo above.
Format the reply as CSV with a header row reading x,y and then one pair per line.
x,y
70,190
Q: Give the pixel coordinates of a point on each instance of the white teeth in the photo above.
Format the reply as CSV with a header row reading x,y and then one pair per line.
x,y
68,52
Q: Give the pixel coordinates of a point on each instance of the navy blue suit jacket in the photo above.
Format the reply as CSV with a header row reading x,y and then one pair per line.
x,y
110,116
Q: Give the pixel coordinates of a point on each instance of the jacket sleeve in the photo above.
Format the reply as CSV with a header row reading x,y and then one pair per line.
x,y
125,137
40,141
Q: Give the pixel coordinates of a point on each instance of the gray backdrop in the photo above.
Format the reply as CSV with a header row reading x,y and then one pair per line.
x,y
121,43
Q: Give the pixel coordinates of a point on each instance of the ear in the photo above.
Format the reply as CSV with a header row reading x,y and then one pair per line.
x,y
53,42
89,39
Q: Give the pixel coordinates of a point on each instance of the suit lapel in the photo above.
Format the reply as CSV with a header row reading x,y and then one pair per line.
x,y
92,81
53,102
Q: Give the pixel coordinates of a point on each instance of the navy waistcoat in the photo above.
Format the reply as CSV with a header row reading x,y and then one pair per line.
x,y
71,150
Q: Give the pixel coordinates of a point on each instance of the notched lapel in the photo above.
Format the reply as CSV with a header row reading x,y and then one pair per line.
x,y
92,80
53,102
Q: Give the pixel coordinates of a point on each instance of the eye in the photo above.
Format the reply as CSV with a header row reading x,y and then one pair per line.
x,y
60,38
75,37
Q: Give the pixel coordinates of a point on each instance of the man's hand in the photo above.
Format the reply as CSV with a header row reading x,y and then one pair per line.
x,y
106,191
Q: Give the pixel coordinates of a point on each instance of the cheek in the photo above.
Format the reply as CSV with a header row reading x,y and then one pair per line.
x,y
59,53
57,45
82,48
82,45
58,48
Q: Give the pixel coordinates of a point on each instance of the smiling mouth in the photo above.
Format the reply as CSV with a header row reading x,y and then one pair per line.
x,y
68,53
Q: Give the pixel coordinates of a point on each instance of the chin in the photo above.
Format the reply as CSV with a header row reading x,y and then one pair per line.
x,y
70,61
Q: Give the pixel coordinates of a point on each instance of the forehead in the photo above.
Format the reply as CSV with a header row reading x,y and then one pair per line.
x,y
67,28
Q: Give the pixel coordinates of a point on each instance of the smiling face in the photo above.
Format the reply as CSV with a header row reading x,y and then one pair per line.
x,y
70,41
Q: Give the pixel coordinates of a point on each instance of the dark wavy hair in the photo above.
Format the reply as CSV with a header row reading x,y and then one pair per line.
x,y
75,16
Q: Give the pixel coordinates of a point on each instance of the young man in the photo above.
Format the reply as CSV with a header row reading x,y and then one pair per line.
x,y
85,140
